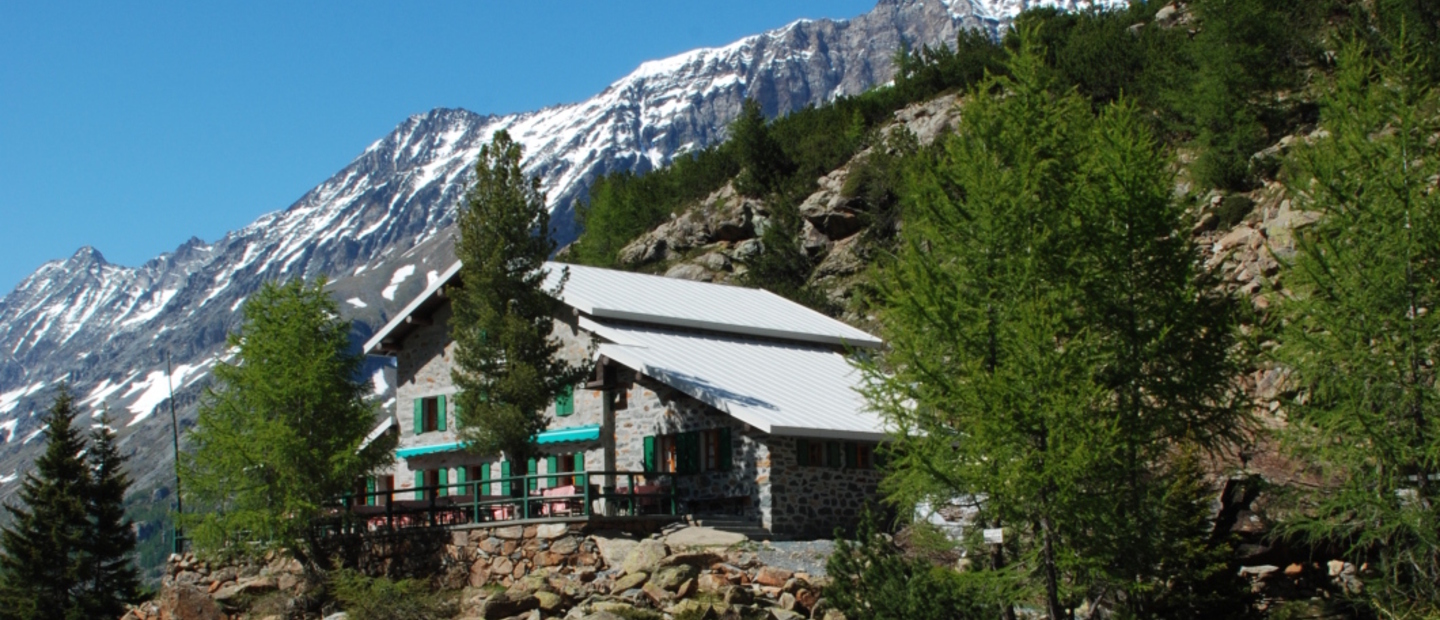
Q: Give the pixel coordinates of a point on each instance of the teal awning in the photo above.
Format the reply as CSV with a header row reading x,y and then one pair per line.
x,y
406,453
559,435
574,433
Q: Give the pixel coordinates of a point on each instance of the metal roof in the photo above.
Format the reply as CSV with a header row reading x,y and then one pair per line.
x,y
780,388
613,294
642,298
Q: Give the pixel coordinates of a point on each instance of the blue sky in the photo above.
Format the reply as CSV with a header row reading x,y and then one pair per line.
x,y
133,126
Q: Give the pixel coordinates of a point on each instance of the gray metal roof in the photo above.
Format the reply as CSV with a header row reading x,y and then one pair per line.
x,y
780,388
622,295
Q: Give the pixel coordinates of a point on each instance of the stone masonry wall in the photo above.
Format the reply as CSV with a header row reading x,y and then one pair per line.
x,y
647,407
424,368
812,500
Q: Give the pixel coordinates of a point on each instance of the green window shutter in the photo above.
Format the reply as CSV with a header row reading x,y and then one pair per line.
x,y
832,454
688,451
531,469
565,401
552,465
580,467
650,464
852,455
725,449
419,416
802,452
460,480
440,417
505,473
443,479
419,482
484,488
370,491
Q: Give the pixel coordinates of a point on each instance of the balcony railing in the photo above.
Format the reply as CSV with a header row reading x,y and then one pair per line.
x,y
503,500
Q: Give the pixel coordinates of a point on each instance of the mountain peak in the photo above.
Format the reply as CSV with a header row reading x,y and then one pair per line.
x,y
87,255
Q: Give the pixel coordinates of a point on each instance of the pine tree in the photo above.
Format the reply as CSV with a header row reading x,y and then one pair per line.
x,y
505,356
1360,329
763,163
279,436
42,551
110,579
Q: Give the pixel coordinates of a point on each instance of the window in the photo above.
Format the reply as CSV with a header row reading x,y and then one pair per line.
x,y
565,401
834,454
429,414
689,453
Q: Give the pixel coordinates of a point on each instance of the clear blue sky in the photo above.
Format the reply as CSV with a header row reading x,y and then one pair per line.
x,y
132,126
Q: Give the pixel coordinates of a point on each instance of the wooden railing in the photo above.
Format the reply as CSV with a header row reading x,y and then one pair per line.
x,y
507,499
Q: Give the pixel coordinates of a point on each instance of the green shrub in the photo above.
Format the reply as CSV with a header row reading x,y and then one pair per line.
x,y
872,578
378,598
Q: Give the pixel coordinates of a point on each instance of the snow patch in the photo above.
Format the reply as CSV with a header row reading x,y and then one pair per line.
x,y
236,306
10,400
396,280
9,427
155,389
8,478
357,302
34,434
431,277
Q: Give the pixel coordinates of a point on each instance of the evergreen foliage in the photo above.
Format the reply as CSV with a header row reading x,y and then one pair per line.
x,y
505,357
109,577
872,578
280,434
1361,332
1052,344
378,598
67,552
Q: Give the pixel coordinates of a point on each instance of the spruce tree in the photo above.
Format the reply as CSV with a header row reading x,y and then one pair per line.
x,y
110,579
505,356
278,437
1360,329
42,551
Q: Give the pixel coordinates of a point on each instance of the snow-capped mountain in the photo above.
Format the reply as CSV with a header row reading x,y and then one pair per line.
x,y
379,228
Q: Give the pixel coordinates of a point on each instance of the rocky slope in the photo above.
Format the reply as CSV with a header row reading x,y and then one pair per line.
x,y
379,228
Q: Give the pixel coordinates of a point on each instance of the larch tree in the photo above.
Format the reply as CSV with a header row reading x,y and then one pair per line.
x,y
280,435
1052,347
506,362
1360,330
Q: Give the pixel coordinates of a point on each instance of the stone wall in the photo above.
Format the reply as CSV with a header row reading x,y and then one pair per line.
x,y
424,368
645,407
811,501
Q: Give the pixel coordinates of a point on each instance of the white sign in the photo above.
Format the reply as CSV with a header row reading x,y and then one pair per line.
x,y
994,536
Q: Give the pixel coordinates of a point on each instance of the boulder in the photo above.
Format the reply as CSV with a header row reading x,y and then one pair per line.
x,y
550,531
657,595
693,609
645,557
505,604
614,549
630,581
777,613
188,603
671,577
772,576
687,589
710,582
690,271
736,595
248,586
550,602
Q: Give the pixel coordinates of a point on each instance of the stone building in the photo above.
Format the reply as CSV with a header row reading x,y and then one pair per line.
x,y
740,401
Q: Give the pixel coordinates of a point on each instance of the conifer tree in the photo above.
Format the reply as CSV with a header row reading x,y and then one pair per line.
x,y
110,579
42,551
505,356
763,163
1360,329
278,438
1051,344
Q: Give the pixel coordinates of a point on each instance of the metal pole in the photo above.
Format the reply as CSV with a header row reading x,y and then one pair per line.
x,y
175,438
